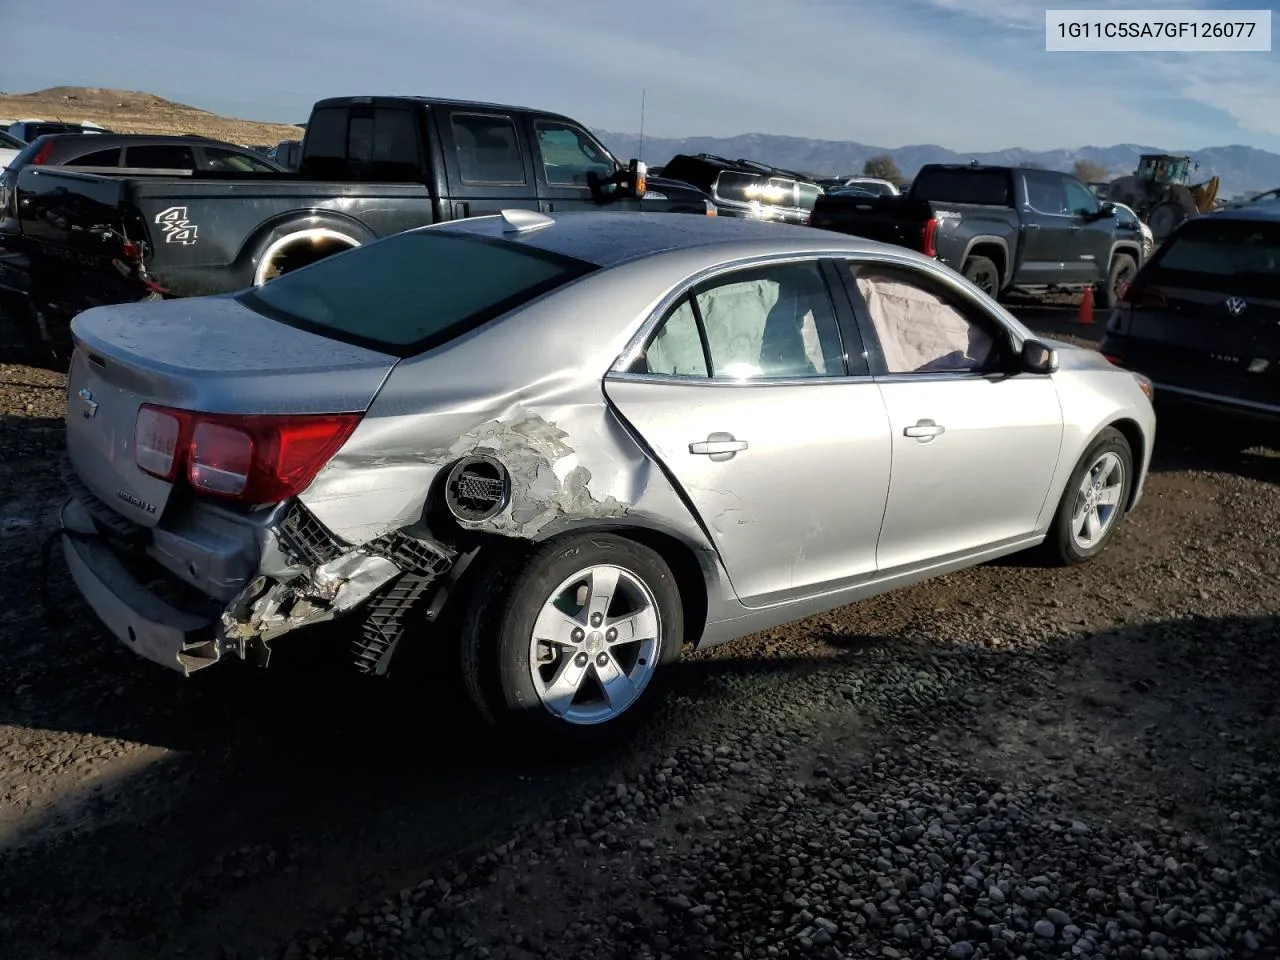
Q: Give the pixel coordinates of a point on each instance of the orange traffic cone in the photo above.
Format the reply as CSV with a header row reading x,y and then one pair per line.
x,y
1086,306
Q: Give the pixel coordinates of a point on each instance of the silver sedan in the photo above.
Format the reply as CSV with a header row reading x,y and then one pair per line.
x,y
596,441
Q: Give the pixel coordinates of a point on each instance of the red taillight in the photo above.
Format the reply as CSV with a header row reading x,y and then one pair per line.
x,y
251,459
1138,296
926,237
1111,358
43,153
132,251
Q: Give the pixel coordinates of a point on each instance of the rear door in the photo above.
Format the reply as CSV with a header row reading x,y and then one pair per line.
x,y
1204,314
564,155
975,443
742,394
487,161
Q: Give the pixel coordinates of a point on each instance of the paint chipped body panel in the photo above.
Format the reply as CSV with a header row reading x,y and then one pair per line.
x,y
536,422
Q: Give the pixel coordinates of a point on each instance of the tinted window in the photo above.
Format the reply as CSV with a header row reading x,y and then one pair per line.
x,y
361,142
488,149
962,186
922,329
99,158
569,154
413,290
327,134
220,158
1079,198
1044,192
1229,256
162,156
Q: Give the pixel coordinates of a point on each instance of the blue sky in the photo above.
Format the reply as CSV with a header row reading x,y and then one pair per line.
x,y
966,74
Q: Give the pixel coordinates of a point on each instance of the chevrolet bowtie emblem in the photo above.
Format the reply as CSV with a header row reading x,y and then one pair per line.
x,y
90,405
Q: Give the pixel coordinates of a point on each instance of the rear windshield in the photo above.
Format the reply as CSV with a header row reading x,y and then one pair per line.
x,y
1226,256
413,291
944,185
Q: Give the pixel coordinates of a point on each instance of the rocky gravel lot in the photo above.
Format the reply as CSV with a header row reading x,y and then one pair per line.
x,y
1012,761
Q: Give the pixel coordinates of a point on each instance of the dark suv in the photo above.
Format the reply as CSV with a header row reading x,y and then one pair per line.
x,y
1202,318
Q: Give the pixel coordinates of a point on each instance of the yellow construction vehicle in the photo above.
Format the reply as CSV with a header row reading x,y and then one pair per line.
x,y
1160,193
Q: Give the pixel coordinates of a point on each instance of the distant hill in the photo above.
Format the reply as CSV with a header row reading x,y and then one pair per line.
x,y
131,111
1242,169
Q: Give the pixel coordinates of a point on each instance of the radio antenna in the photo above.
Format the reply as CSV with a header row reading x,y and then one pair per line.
x,y
640,148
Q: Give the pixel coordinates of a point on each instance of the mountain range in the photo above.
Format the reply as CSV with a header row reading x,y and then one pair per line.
x,y
1241,169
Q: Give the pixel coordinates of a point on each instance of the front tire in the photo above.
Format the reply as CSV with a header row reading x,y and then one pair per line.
x,y
1094,500
1123,269
566,643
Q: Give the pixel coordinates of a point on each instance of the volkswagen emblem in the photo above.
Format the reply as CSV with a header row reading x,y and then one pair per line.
x,y
90,407
1236,305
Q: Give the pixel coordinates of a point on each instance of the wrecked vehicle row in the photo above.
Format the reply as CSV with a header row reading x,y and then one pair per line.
x,y
610,437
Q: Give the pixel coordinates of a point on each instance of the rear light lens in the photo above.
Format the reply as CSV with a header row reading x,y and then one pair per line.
x,y
43,153
927,237
156,438
249,459
221,459
1139,296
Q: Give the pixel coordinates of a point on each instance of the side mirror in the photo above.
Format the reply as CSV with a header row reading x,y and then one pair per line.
x,y
1038,357
637,179
630,183
1107,209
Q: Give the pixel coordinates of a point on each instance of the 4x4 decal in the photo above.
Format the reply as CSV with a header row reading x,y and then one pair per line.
x,y
177,228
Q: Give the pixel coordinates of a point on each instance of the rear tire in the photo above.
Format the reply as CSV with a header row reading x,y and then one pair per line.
x,y
1123,269
1093,503
551,688
982,273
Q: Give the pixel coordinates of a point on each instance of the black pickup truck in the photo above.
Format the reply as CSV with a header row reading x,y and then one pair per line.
x,y
745,188
1004,228
72,238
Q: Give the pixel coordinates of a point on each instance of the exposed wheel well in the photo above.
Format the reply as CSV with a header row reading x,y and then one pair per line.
x,y
300,249
1137,441
993,252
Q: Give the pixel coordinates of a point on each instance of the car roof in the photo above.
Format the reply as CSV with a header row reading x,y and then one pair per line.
x,y
1262,211
126,139
608,238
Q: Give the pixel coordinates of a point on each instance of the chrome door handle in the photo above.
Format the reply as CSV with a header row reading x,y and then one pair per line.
x,y
1032,226
924,430
718,446
1076,228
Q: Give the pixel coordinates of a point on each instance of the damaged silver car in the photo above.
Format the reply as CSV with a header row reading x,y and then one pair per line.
x,y
635,433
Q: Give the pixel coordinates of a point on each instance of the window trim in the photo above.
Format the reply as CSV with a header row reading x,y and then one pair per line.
x,y
689,287
1027,193
542,160
1005,336
457,158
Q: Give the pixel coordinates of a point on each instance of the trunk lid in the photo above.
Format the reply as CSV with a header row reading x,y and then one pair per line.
x,y
213,355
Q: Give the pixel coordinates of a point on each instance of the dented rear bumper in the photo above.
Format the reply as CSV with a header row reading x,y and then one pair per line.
x,y
291,573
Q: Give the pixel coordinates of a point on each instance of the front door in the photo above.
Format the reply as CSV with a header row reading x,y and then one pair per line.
x,y
742,393
565,154
975,446
487,163
1093,234
1048,240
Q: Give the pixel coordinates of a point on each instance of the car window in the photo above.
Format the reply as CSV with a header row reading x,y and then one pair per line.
x,y
676,348
920,328
222,159
99,158
569,154
488,149
959,185
771,322
411,291
1079,198
1232,257
161,156
1044,192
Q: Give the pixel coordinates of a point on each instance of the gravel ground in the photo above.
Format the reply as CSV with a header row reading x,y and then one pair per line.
x,y
1011,761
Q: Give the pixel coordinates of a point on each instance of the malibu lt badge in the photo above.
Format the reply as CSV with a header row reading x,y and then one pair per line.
x,y
89,406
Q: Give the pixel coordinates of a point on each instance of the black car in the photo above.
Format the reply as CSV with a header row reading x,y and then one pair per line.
x,y
1202,318
142,151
